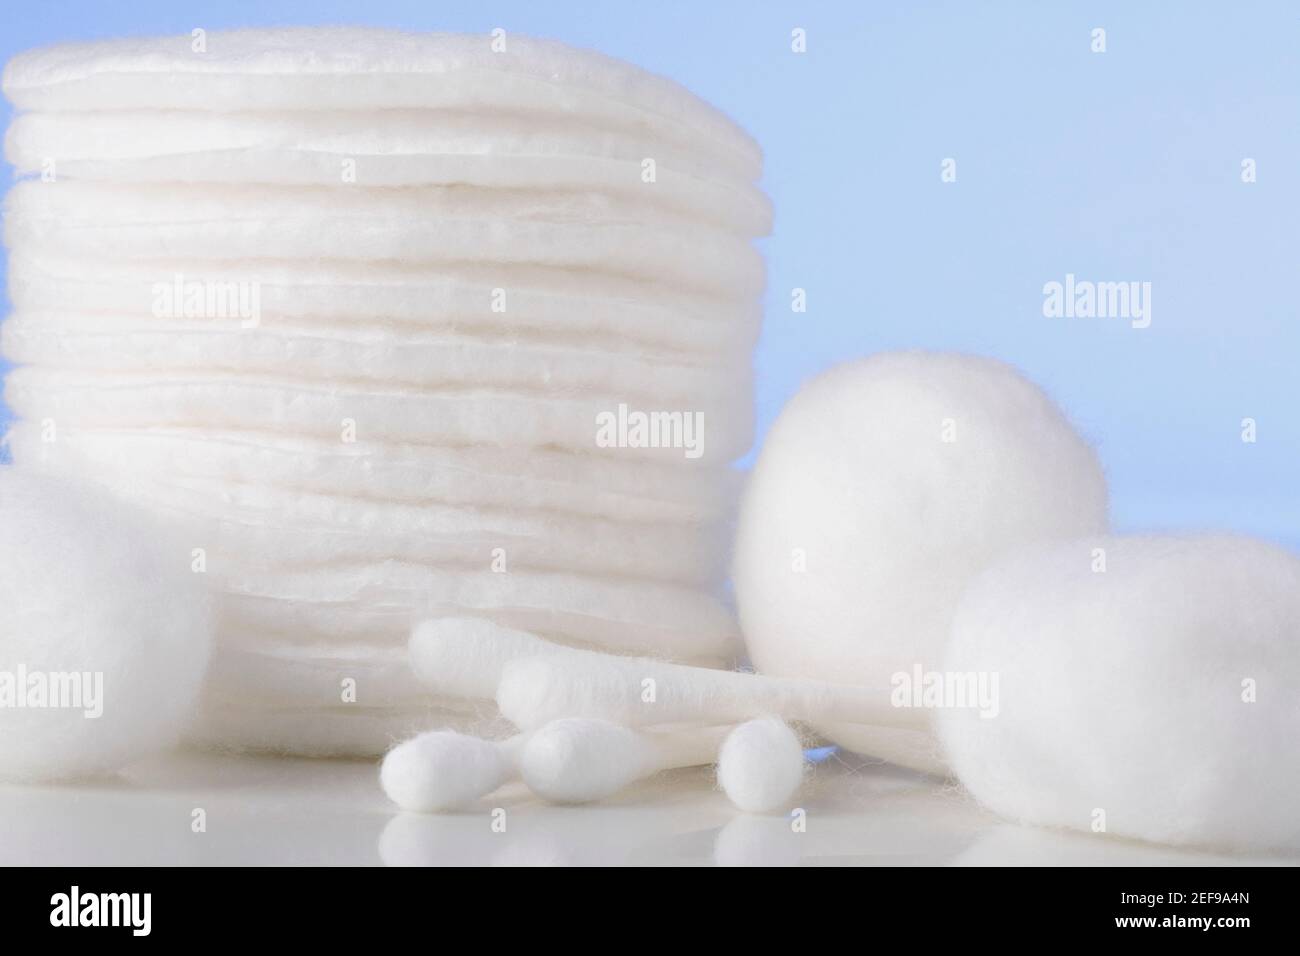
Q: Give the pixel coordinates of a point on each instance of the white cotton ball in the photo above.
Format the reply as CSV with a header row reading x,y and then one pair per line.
x,y
1146,683
100,612
760,765
884,486
443,770
576,760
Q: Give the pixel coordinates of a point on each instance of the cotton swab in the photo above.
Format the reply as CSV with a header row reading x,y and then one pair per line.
x,y
761,765
464,656
576,760
637,692
444,770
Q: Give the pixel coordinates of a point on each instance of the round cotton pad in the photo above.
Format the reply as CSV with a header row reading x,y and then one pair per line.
x,y
329,68
379,148
701,436
516,302
621,235
354,731
530,480
1146,687
368,601
104,631
884,486
126,344
307,534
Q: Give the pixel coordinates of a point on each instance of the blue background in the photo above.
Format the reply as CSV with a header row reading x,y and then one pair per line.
x,y
1116,166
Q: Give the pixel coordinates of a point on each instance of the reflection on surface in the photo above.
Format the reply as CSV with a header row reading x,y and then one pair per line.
x,y
263,810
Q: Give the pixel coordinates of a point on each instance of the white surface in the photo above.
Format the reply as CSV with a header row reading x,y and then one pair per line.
x,y
292,811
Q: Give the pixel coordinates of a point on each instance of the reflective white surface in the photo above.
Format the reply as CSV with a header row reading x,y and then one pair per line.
x,y
264,810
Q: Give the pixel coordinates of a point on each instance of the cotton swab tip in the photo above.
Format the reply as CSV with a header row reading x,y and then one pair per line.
x,y
576,760
760,765
442,770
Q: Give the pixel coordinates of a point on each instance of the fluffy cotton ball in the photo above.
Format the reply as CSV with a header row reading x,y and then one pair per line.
x,y
92,588
760,765
443,770
883,488
1157,689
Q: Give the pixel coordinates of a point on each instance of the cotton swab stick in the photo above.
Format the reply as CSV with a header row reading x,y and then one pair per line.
x,y
637,692
576,760
571,761
761,765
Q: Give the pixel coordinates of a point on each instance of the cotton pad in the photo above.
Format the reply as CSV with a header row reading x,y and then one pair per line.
x,y
386,148
884,486
517,302
572,230
340,732
400,327
619,613
534,480
260,527
127,344
716,435
281,675
104,631
1146,689
315,68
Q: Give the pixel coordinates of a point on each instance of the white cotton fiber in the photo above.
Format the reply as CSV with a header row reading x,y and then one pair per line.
x,y
92,588
132,343
534,479
883,488
325,732
385,148
267,528
571,230
1147,685
621,614
401,327
443,770
760,765
329,68
717,434
546,305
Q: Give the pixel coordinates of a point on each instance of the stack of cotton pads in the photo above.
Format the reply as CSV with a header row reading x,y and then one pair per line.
x,y
408,326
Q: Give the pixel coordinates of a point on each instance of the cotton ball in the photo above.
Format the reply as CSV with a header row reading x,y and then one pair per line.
x,y
1146,684
760,765
883,487
104,631
443,770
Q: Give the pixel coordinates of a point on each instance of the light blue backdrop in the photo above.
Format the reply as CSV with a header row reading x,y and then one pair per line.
x,y
1123,165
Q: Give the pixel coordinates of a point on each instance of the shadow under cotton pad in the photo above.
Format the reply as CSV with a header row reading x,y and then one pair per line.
x,y
315,68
